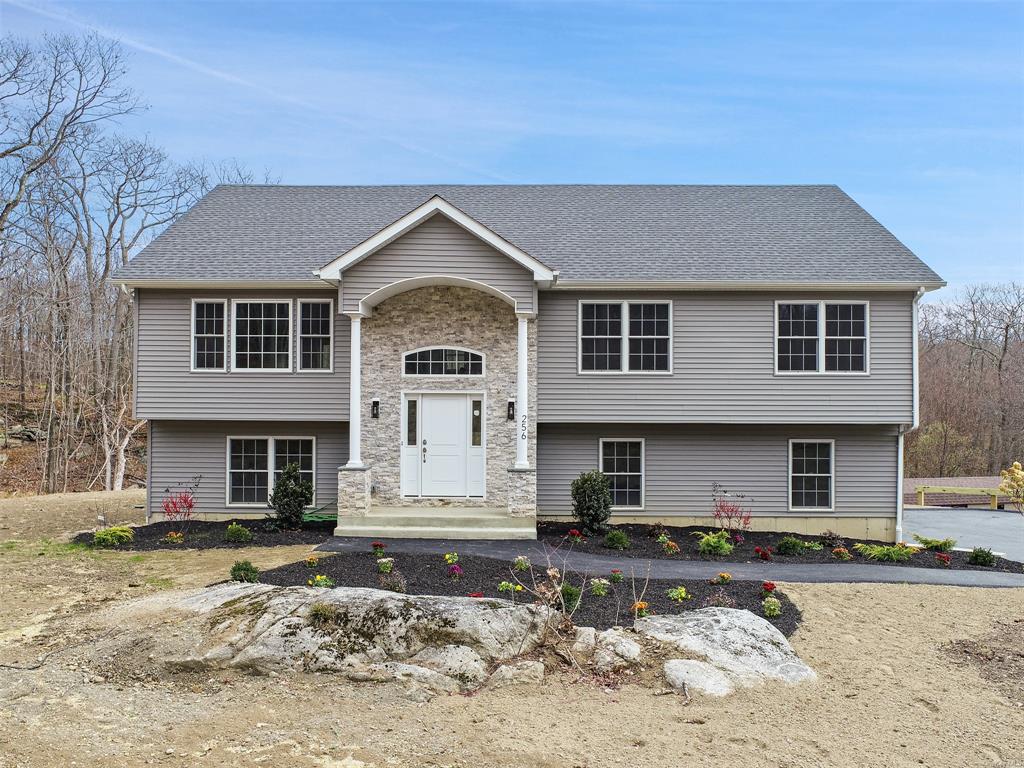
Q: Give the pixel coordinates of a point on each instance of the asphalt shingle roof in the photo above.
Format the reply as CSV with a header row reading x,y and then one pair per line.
x,y
587,232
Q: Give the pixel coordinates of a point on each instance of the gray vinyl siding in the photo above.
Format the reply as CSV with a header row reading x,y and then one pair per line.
x,y
167,389
723,368
438,246
182,450
682,461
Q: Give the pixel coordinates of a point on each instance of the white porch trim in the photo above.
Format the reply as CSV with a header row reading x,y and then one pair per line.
x,y
371,300
522,393
355,395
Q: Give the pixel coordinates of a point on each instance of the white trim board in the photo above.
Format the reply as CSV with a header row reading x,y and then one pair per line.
x,y
436,204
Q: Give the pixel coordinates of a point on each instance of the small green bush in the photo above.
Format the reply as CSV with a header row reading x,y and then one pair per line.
x,y
237,534
772,607
789,545
592,502
935,545
243,570
290,498
714,544
322,615
981,556
113,536
571,597
893,553
616,539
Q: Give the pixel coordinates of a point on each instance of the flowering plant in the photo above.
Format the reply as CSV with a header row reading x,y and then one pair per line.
x,y
678,594
767,587
943,559
521,563
312,561
842,553
722,578
474,594
662,539
640,609
616,576
508,586
385,564
378,549
451,557
575,536
174,537
455,570
765,553
771,607
319,580
599,587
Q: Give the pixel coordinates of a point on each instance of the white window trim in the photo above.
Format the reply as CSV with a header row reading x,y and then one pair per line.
x,y
821,337
483,364
643,468
271,453
192,336
291,334
624,358
832,475
299,335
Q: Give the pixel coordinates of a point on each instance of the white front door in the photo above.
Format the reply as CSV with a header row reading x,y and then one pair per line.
x,y
442,445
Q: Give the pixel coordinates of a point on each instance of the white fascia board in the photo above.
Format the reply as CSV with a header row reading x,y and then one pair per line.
x,y
393,231
740,285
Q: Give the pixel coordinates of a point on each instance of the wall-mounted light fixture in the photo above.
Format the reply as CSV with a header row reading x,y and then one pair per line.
x,y
511,410
375,409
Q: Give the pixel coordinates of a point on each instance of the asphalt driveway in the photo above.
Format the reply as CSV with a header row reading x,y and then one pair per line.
x,y
999,530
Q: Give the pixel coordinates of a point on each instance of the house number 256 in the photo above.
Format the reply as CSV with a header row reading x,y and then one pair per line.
x,y
522,431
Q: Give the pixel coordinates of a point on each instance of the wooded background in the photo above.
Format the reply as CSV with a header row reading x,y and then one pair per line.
x,y
80,198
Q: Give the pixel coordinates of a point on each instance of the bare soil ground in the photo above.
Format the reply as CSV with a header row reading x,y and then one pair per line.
x,y
908,675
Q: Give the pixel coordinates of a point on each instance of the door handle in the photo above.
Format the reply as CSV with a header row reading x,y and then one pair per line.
x,y
424,451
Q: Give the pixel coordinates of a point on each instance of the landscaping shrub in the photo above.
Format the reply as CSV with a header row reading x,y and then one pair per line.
x,y
237,534
600,587
679,594
322,615
393,582
385,565
243,570
616,576
981,556
790,545
772,607
1012,485
616,539
730,514
592,502
935,545
520,563
113,536
893,553
842,553
290,498
571,597
832,540
714,544
765,553
943,559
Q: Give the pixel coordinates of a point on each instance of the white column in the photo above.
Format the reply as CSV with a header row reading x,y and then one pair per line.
x,y
355,400
522,395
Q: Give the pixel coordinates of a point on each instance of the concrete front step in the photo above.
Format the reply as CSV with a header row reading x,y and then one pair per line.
x,y
438,523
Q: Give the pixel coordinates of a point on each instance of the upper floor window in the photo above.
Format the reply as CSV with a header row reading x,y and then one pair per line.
x,y
821,337
625,336
209,335
262,335
316,335
441,361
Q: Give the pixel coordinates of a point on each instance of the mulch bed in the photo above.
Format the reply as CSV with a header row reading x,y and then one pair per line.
x,y
643,544
428,575
204,534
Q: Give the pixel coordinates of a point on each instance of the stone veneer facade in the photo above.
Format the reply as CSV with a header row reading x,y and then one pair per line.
x,y
440,316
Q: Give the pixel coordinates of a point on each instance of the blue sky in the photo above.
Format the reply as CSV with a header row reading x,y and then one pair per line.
x,y
915,109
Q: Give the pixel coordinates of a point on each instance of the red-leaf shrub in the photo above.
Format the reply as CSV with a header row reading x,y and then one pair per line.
x,y
178,505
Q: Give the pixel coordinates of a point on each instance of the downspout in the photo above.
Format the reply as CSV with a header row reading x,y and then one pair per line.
x,y
915,414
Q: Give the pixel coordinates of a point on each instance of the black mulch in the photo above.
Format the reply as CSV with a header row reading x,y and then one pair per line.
x,y
644,544
203,534
428,575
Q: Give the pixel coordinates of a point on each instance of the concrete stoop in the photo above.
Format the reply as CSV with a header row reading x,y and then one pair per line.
x,y
437,523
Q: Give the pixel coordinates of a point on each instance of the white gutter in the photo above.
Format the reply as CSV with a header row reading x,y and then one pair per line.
x,y
280,285
742,285
915,414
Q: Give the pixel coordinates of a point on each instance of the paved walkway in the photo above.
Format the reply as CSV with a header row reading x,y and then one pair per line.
x,y
1000,530
693,569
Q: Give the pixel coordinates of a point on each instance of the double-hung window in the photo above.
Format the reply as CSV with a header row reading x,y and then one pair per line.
x,y
316,335
625,337
209,335
811,474
622,462
821,337
262,335
255,463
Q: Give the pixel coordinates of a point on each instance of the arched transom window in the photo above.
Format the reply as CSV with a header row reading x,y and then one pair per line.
x,y
443,361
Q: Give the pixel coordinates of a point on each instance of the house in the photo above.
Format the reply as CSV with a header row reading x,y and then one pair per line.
x,y
444,360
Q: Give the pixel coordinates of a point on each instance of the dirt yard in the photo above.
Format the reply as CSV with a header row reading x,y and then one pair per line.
x,y
908,675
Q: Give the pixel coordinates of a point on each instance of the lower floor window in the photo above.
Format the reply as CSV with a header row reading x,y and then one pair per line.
x,y
622,462
810,474
255,463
